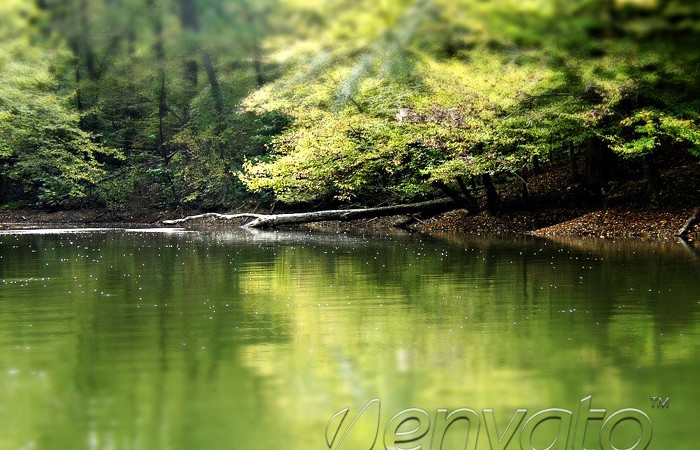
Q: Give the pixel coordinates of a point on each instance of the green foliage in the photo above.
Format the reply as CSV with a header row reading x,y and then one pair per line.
x,y
346,157
650,129
161,80
497,84
204,167
210,101
43,151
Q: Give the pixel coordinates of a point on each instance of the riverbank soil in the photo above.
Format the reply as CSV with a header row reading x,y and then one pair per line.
x,y
20,217
555,205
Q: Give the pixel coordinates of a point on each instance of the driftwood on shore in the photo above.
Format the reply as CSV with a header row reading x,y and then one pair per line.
x,y
271,220
690,223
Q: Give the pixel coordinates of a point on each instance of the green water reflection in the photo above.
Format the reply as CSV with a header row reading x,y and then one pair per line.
x,y
140,340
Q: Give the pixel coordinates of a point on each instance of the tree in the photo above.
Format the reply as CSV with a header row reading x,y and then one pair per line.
x,y
137,70
485,89
44,155
338,102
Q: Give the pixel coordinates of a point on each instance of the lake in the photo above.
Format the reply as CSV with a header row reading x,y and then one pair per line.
x,y
167,339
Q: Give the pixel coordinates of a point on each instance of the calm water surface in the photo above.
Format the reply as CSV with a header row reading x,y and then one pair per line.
x,y
116,339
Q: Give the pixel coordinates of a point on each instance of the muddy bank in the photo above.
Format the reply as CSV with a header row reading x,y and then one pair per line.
x,y
553,208
25,217
556,208
615,222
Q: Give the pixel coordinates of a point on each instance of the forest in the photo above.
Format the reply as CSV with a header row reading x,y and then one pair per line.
x,y
217,105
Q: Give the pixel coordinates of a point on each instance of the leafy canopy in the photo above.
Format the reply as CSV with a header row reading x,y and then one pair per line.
x,y
43,151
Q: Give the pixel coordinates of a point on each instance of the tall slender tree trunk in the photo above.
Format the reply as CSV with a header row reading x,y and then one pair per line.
x,y
257,66
257,54
189,18
162,114
472,204
159,50
661,5
574,163
191,76
78,85
611,17
190,22
83,55
524,188
464,200
84,37
213,83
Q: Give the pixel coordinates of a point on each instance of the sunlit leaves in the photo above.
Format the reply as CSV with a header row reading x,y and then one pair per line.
x,y
501,83
342,157
651,128
42,148
336,100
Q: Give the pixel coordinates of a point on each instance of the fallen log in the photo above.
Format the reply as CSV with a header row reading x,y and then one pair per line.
x,y
273,220
692,220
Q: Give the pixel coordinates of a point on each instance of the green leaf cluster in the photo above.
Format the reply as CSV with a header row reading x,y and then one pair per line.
x,y
484,88
44,154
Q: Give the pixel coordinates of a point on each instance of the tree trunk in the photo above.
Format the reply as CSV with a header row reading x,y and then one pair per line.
x,y
257,57
159,50
213,83
693,220
469,203
79,105
84,37
524,189
493,200
273,220
189,18
610,17
600,166
653,177
189,21
661,6
472,204
575,175
257,66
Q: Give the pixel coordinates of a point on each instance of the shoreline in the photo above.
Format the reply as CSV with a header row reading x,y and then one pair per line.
x,y
556,205
603,223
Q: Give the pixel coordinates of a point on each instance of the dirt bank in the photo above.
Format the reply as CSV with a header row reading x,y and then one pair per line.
x,y
614,222
24,217
553,207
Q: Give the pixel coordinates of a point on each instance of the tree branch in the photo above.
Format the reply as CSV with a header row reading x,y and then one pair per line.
x,y
272,220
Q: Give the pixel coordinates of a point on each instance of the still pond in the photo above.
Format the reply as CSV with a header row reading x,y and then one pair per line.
x,y
172,339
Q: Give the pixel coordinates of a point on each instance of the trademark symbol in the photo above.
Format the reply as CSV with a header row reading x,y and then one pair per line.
x,y
660,402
